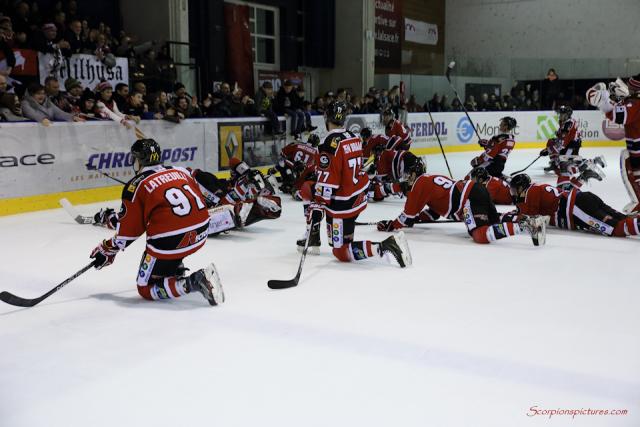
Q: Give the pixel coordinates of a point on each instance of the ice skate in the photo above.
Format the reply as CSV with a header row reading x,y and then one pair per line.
x,y
207,282
398,248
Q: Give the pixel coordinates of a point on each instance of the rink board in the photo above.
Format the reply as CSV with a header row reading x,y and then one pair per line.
x,y
40,165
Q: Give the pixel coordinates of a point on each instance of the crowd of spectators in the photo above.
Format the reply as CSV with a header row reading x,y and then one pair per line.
x,y
155,94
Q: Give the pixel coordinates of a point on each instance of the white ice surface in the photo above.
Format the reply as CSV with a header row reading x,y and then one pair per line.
x,y
471,335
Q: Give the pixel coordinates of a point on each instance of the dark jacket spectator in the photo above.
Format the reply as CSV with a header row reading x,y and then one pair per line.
x,y
285,99
87,104
264,107
48,41
121,95
433,104
241,105
214,106
135,107
10,109
73,35
188,110
550,89
37,106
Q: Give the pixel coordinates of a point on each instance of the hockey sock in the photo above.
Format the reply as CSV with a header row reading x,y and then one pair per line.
x,y
163,288
629,226
491,233
354,251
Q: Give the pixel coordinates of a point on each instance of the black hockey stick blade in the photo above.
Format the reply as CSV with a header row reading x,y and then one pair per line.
x,y
12,299
284,284
80,219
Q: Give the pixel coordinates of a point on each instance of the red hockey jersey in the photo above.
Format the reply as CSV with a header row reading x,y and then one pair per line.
x,y
499,191
342,183
299,152
166,203
373,142
627,113
437,192
399,136
498,146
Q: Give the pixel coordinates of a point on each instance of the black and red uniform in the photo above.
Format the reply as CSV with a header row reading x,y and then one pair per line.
x,y
165,203
567,142
341,188
435,196
576,210
499,191
389,172
496,153
399,136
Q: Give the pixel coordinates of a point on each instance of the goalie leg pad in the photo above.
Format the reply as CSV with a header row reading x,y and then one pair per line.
x,y
221,219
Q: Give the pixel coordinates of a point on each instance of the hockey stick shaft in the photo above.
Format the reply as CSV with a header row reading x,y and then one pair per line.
x,y
444,221
522,170
459,100
433,123
284,284
9,298
111,177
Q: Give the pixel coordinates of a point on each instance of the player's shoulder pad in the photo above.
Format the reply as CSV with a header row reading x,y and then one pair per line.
x,y
330,143
130,187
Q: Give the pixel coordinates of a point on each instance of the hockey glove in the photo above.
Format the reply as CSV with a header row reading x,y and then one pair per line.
x,y
483,142
544,152
385,225
477,161
315,213
104,254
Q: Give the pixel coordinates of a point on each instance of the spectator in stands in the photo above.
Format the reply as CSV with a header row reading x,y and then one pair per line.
x,y
455,105
22,24
121,95
394,100
285,104
6,36
341,94
10,108
318,106
179,91
521,100
494,103
103,51
37,106
483,104
3,85
59,19
535,100
48,41
106,108
550,89
444,104
88,104
73,36
186,109
136,109
299,107
91,41
433,104
471,104
369,105
74,92
72,11
264,106
52,89
412,106
142,88
241,105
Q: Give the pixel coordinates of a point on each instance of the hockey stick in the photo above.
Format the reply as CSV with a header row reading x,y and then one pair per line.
x,y
444,221
107,175
433,123
80,219
522,170
9,298
448,75
284,284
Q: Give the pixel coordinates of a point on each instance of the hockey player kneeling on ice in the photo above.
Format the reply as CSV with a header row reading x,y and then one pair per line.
x,y
563,150
497,149
165,203
435,196
572,210
623,109
341,193
296,160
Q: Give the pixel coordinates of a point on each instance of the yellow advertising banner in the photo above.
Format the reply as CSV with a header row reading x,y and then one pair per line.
x,y
230,144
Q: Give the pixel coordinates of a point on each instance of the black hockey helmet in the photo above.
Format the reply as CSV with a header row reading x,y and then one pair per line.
x,y
518,184
313,140
479,174
336,112
509,122
412,164
365,133
564,113
147,152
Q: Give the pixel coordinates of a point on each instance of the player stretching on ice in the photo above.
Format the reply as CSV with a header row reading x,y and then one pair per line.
x,y
625,112
434,196
572,210
497,149
165,203
341,193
